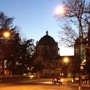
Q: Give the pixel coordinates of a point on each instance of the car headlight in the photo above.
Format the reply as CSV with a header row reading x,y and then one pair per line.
x,y
61,80
31,76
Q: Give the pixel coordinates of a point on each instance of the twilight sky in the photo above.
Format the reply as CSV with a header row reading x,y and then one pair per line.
x,y
34,18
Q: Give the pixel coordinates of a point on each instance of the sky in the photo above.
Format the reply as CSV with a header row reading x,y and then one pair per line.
x,y
34,18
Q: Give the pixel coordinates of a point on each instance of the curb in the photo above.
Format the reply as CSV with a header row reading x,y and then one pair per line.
x,y
82,85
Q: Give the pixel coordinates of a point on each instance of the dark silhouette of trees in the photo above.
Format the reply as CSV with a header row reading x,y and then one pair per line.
x,y
15,54
5,24
26,52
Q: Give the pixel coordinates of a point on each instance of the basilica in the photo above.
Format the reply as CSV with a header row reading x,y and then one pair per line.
x,y
47,54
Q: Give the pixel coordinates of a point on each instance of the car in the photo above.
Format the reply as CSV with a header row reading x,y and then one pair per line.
x,y
85,79
57,80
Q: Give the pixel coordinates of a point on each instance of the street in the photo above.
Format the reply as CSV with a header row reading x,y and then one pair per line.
x,y
37,84
37,87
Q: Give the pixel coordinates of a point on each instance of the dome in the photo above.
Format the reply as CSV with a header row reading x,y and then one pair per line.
x,y
47,40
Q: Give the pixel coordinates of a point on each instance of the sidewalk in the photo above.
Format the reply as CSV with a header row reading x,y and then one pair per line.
x,y
82,85
12,78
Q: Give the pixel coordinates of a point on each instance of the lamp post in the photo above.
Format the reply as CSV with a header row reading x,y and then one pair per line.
x,y
79,42
80,49
80,46
66,61
4,34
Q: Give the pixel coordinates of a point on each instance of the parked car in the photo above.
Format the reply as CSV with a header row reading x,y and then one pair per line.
x,y
85,79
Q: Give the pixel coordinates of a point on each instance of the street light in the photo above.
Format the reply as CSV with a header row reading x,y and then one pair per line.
x,y
66,60
6,34
80,46
80,41
59,11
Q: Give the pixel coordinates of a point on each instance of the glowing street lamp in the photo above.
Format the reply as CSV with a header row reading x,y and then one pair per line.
x,y
60,11
6,34
66,60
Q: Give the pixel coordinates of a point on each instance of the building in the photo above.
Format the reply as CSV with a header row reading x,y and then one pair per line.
x,y
47,54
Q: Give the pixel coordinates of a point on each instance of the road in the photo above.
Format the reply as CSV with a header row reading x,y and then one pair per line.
x,y
37,87
37,84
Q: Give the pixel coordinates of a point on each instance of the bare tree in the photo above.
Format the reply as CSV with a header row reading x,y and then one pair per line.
x,y
76,21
